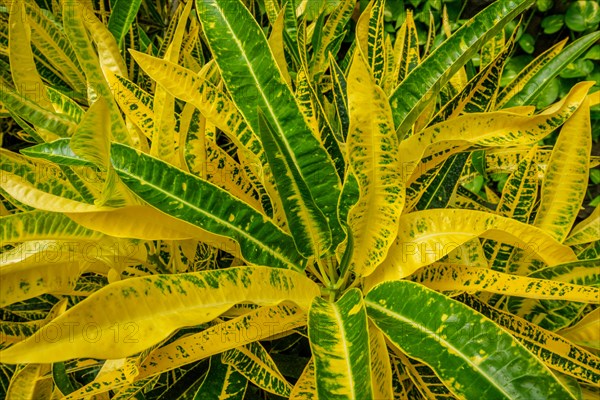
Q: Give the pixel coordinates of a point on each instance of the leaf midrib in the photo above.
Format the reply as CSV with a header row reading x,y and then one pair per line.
x,y
441,339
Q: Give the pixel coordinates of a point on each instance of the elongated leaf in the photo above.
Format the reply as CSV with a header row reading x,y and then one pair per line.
x,y
459,277
56,125
338,337
493,129
114,374
49,38
340,96
586,231
375,162
178,300
480,92
122,15
214,104
586,332
465,350
29,383
369,35
556,352
413,94
253,326
441,184
556,314
565,183
538,82
306,387
427,236
26,79
73,14
527,73
331,37
381,370
425,380
307,223
21,282
255,364
406,49
200,203
37,225
222,381
254,81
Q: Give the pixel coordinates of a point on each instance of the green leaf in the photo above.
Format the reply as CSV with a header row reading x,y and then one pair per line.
x,y
538,81
413,94
75,30
256,365
122,15
465,350
222,382
179,300
253,326
254,81
440,188
39,225
527,43
556,352
339,341
582,15
209,207
306,221
553,23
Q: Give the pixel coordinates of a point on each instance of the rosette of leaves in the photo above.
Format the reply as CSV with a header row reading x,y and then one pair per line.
x,y
287,217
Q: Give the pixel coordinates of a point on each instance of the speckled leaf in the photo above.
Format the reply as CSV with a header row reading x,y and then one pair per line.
x,y
40,225
22,281
480,92
406,49
178,300
427,236
586,332
256,325
566,179
557,314
586,231
381,370
494,129
256,365
465,349
375,162
332,35
306,386
209,207
369,35
74,23
222,382
528,91
472,279
50,39
413,94
55,124
556,352
254,81
339,337
306,221
26,78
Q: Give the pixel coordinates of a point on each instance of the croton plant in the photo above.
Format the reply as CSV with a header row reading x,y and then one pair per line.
x,y
260,202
